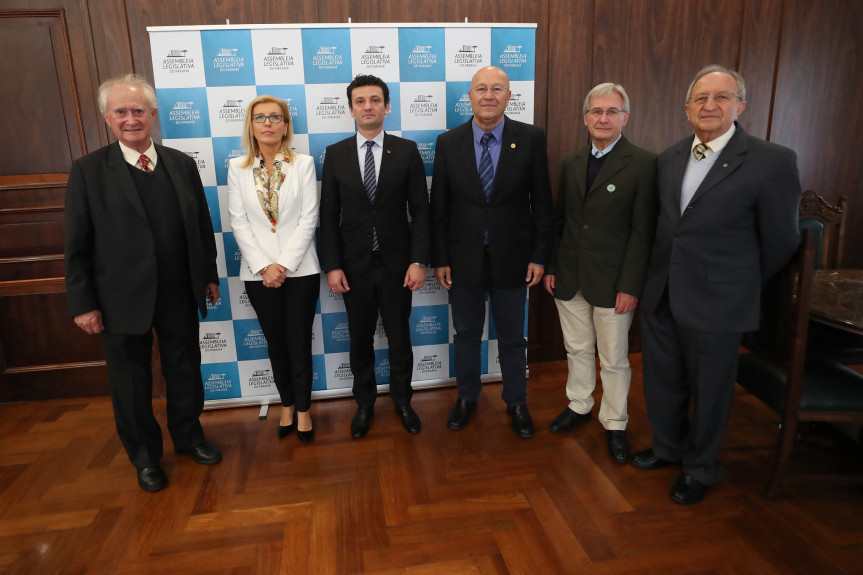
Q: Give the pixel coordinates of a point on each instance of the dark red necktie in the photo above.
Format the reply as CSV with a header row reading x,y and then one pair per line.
x,y
145,163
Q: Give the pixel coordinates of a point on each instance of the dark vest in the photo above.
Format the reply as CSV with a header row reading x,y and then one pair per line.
x,y
594,164
160,201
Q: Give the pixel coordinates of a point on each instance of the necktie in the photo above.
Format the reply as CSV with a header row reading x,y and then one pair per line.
x,y
486,169
145,163
371,185
700,151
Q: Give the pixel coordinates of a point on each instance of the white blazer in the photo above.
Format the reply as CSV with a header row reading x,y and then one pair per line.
x,y
293,243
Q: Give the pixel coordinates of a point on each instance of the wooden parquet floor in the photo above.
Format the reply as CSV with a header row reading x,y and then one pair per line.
x,y
477,501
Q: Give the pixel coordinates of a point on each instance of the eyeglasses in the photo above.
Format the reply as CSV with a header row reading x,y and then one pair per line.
x,y
273,118
596,113
122,112
720,98
495,90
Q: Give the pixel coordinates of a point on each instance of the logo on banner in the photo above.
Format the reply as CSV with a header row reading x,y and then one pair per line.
x,y
213,342
382,367
425,141
229,60
423,106
342,374
221,381
516,105
327,58
429,363
278,58
337,338
261,379
200,162
430,324
422,57
468,56
512,56
375,57
329,108
177,62
184,113
232,111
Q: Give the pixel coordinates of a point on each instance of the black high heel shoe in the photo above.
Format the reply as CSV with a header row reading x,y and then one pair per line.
x,y
286,430
306,436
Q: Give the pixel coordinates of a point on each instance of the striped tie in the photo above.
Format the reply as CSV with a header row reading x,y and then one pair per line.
x,y
700,151
486,169
371,185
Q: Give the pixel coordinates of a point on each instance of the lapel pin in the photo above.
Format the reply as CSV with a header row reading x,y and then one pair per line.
x,y
512,145
725,165
610,187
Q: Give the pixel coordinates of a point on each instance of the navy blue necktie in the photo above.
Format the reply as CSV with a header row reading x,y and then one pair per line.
x,y
370,184
486,169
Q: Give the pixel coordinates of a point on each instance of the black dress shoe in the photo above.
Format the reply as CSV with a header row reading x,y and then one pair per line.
x,y
152,478
459,415
362,420
286,430
522,424
205,454
648,459
410,419
306,436
567,421
618,445
688,490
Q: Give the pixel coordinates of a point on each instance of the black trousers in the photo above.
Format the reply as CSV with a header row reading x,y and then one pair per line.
x,y
286,314
689,380
129,359
380,290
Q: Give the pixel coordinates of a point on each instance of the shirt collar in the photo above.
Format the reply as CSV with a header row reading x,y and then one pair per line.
x,y
715,146
361,140
131,156
597,153
497,131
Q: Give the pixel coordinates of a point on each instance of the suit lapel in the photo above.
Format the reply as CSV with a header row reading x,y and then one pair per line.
x,y
678,167
508,149
579,171
122,181
730,158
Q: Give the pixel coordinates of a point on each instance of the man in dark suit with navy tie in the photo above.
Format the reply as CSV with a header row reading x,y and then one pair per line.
x,y
141,255
371,252
491,216
727,223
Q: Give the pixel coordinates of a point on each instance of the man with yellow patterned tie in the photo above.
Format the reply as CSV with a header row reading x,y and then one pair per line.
x,y
727,223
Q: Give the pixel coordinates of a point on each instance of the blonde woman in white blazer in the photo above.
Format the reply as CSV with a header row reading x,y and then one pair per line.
x,y
273,202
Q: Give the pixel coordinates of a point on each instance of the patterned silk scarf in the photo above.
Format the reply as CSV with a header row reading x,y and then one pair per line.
x,y
268,187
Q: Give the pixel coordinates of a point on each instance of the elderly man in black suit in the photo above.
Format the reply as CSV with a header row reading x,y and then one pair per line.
x,y
491,212
727,223
604,225
371,252
141,255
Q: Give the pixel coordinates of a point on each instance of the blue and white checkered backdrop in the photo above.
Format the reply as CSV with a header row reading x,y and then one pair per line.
x,y
205,76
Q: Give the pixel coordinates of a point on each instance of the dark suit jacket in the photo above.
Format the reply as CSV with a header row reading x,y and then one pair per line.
x,y
348,217
110,253
739,229
517,215
603,235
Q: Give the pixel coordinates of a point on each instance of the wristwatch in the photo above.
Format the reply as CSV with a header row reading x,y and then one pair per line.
x,y
419,265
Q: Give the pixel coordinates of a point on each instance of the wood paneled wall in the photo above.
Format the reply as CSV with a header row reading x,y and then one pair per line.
x,y
800,60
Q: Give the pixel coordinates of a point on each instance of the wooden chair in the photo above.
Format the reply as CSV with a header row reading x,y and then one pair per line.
x,y
828,222
777,370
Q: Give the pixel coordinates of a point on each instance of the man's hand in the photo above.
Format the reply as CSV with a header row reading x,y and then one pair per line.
x,y
90,322
625,303
415,278
534,274
212,293
443,276
337,281
548,281
274,275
